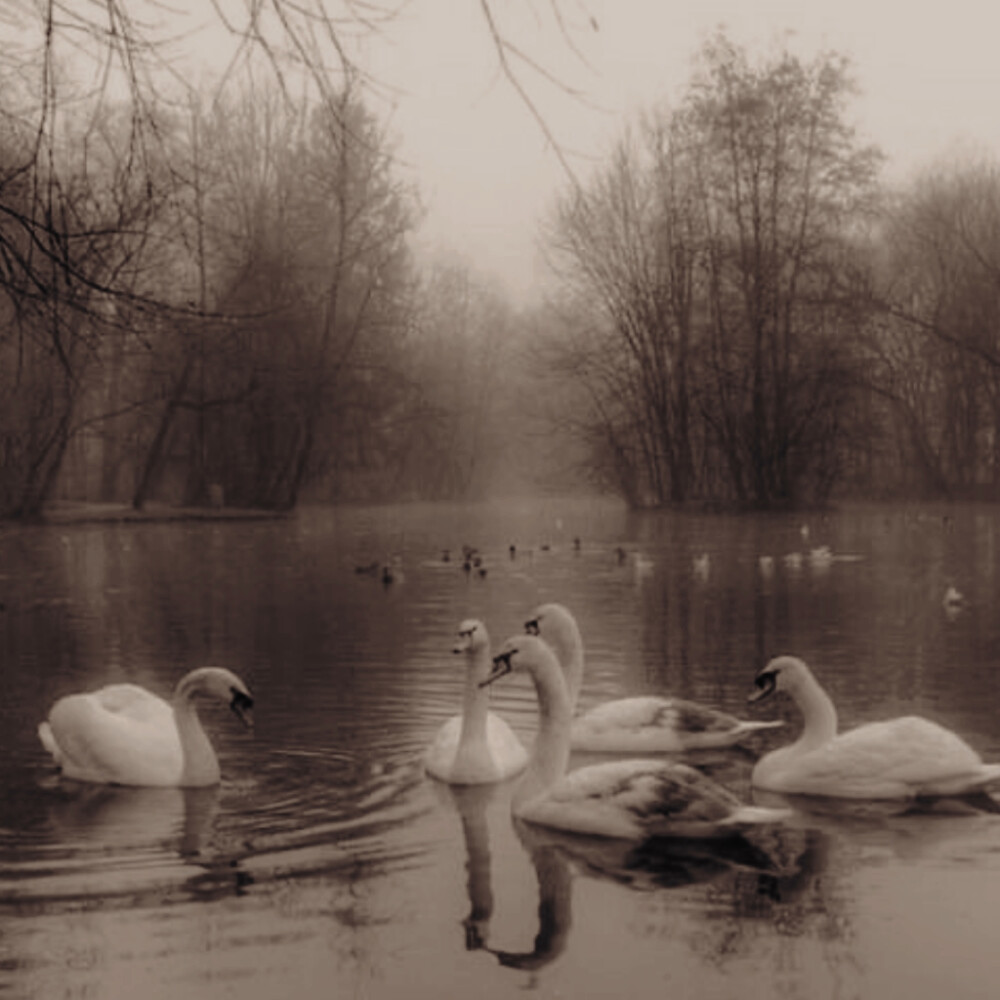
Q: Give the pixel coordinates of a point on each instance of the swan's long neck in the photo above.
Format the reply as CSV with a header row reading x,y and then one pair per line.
x,y
818,713
201,766
552,744
569,648
475,703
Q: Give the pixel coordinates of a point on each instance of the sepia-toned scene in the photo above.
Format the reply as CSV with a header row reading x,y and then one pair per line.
x,y
499,498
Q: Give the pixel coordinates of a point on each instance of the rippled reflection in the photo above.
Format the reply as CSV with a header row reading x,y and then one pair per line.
x,y
326,856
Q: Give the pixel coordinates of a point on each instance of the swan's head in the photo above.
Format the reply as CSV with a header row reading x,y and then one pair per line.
x,y
555,624
472,637
521,653
217,682
783,673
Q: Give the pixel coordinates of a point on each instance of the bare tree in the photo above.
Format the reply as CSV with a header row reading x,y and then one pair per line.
x,y
939,340
629,247
782,182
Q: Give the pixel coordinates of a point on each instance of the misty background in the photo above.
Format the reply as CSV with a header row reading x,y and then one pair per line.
x,y
232,275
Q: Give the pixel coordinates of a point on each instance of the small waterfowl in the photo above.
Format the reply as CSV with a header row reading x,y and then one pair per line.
x,y
123,734
953,599
821,557
641,724
628,799
477,746
902,758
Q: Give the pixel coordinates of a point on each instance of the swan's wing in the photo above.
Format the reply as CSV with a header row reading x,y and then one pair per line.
x,y
624,713
134,702
899,756
98,744
498,756
439,757
648,724
635,798
505,746
675,714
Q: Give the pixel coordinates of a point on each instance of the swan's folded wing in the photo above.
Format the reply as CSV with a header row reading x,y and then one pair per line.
x,y
624,713
656,712
632,798
907,755
107,746
134,702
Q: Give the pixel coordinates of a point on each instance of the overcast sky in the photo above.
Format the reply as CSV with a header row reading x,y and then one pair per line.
x,y
929,75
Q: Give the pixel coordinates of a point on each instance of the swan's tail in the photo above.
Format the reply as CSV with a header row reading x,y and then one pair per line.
x,y
990,773
755,815
48,739
752,727
958,784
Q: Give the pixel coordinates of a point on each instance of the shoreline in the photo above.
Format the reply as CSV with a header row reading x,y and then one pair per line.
x,y
70,512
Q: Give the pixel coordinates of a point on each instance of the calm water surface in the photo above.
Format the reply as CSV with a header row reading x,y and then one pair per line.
x,y
327,864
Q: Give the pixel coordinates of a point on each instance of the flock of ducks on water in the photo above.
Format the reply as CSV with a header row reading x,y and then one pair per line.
x,y
123,734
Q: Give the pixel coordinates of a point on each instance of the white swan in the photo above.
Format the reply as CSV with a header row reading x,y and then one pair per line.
x,y
642,724
124,735
629,799
477,746
901,758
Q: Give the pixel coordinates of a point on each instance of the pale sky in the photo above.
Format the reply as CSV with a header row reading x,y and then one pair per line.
x,y
929,76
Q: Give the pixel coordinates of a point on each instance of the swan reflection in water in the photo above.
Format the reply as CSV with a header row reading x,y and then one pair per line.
x,y
115,840
910,828
776,871
134,817
551,869
779,865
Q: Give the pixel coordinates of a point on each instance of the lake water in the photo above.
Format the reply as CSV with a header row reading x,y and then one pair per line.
x,y
327,864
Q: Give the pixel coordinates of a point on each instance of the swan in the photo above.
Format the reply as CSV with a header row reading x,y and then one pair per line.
x,y
641,724
123,734
477,746
901,758
628,799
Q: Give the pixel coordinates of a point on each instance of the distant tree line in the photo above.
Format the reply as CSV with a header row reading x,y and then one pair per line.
x,y
212,296
748,318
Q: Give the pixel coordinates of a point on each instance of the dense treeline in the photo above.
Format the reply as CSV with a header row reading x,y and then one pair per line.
x,y
214,297
748,318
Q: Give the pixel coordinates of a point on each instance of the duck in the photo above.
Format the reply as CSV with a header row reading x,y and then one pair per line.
x,y
476,747
908,757
640,724
821,557
123,734
634,799
953,598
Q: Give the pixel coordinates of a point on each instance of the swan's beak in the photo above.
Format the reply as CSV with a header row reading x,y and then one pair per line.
x,y
764,686
532,627
501,666
242,706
